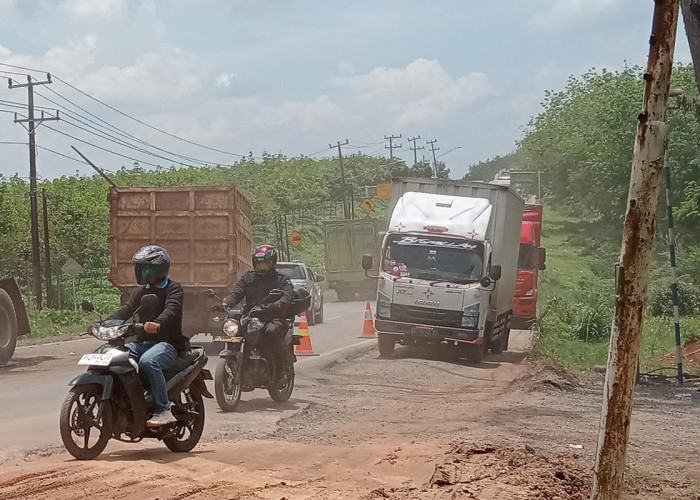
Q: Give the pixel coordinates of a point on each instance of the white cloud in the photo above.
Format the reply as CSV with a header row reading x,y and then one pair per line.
x,y
564,13
225,79
94,8
421,93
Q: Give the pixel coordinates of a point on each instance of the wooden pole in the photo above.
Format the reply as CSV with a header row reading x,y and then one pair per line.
x,y
635,257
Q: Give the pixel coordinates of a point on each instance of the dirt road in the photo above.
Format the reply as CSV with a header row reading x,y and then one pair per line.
x,y
421,425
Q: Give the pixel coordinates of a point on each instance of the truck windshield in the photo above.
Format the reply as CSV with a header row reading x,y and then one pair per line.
x,y
433,258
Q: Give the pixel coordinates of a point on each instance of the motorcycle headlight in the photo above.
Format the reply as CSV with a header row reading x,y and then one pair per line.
x,y
230,327
110,332
470,317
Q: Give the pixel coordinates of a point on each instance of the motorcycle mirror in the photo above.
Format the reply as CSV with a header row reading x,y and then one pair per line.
x,y
209,292
87,306
149,302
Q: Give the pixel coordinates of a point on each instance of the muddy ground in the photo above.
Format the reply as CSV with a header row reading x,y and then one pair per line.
x,y
420,426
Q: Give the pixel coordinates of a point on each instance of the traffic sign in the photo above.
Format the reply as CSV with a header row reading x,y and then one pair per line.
x,y
367,205
296,238
71,268
384,191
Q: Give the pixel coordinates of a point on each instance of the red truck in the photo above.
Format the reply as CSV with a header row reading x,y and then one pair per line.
x,y
531,261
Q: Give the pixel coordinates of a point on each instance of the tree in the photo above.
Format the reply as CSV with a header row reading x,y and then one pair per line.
x,y
691,18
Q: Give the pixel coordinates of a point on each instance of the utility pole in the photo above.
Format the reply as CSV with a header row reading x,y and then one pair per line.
x,y
47,252
635,257
32,124
339,145
415,148
391,147
433,149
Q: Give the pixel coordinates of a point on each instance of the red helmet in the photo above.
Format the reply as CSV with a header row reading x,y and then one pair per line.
x,y
264,258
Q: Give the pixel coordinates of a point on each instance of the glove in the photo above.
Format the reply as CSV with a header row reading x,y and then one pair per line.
x,y
151,327
273,307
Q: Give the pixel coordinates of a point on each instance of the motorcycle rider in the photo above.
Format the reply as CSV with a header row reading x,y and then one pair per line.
x,y
254,286
158,348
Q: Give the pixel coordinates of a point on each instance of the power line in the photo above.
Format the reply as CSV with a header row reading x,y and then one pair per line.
x,y
117,130
146,124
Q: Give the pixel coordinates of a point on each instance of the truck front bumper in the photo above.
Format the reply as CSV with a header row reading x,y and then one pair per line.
x,y
412,332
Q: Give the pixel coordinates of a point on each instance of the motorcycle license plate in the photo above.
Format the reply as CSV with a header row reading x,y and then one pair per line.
x,y
95,359
230,340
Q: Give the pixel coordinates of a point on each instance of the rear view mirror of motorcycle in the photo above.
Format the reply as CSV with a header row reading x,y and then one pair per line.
x,y
148,304
87,306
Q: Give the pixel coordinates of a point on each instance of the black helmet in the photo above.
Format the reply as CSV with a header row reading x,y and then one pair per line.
x,y
264,258
151,265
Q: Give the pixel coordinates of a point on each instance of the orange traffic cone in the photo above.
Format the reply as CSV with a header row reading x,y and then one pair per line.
x,y
368,330
304,348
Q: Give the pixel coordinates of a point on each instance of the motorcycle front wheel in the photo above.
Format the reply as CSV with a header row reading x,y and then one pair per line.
x,y
189,411
86,422
227,384
283,393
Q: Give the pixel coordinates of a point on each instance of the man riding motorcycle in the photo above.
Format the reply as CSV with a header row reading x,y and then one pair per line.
x,y
158,348
254,286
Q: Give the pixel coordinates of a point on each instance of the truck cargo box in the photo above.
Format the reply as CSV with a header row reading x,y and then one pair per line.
x,y
206,230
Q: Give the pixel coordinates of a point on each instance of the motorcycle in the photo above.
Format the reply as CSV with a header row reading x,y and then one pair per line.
x,y
246,362
108,401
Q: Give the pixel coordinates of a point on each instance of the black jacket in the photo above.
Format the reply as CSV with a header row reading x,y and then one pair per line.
x,y
254,287
168,313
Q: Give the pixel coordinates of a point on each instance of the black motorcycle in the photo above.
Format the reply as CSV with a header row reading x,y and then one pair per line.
x,y
109,401
246,363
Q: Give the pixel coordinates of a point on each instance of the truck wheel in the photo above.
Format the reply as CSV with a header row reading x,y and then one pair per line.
x,y
386,345
8,328
497,345
506,339
475,353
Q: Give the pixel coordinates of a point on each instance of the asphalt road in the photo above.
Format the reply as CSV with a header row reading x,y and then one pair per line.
x,y
34,384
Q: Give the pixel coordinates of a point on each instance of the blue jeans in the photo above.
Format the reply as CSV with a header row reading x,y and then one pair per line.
x,y
153,358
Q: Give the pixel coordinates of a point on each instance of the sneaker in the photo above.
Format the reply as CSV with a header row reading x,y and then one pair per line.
x,y
165,417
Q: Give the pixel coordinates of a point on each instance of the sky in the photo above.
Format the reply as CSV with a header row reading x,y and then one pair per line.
x,y
214,79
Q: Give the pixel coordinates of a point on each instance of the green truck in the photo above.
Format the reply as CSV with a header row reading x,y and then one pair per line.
x,y
346,241
13,318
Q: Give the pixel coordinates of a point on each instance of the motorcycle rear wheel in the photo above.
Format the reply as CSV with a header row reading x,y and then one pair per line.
x,y
81,406
227,384
189,431
282,394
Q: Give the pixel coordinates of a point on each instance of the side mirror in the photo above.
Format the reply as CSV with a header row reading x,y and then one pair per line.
x,y
87,306
495,273
485,281
541,258
367,262
148,302
319,279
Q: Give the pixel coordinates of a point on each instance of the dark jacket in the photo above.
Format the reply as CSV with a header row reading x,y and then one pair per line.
x,y
254,288
168,313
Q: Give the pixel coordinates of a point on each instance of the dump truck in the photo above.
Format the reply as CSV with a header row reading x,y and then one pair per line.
x,y
448,266
206,230
13,318
346,241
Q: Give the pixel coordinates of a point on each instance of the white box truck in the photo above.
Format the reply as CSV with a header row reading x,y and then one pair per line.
x,y
448,266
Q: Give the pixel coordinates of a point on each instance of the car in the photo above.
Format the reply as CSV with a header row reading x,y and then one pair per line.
x,y
302,276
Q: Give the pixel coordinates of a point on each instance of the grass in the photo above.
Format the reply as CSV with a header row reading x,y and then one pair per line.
x,y
571,276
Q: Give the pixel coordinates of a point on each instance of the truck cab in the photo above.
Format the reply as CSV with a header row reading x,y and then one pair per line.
x,y
447,272
531,260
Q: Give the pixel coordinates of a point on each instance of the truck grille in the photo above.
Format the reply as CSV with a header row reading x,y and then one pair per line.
x,y
424,315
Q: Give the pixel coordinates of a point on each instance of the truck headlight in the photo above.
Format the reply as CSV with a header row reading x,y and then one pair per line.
x,y
470,317
530,293
383,306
